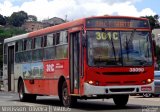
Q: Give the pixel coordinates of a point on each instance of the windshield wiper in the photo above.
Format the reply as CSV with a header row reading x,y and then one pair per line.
x,y
148,46
128,41
114,52
127,48
132,35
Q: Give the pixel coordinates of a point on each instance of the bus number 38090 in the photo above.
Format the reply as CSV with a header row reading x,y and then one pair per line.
x,y
136,69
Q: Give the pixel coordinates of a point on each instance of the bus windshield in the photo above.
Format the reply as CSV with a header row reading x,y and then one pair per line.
x,y
119,48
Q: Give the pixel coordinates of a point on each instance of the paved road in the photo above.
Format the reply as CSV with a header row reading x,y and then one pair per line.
x,y
52,104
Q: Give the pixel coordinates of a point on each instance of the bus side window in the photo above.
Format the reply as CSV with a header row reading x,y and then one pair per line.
x,y
49,50
37,51
62,46
63,37
16,54
16,49
27,50
57,38
19,54
19,45
38,42
45,40
28,44
5,54
49,40
54,39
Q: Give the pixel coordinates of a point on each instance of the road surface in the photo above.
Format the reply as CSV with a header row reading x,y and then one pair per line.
x,y
9,102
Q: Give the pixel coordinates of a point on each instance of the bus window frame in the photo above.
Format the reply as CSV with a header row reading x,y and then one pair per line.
x,y
48,47
61,44
25,41
39,48
5,49
150,40
18,52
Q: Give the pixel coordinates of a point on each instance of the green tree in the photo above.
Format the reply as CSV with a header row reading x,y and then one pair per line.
x,y
2,20
7,20
157,24
154,23
18,18
32,18
9,32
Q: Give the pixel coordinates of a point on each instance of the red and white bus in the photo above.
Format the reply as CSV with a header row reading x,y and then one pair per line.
x,y
95,57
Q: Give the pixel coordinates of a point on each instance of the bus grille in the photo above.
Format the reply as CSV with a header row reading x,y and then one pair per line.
x,y
122,83
113,83
130,82
120,73
122,90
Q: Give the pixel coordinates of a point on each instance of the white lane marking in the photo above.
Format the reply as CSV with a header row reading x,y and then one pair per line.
x,y
7,97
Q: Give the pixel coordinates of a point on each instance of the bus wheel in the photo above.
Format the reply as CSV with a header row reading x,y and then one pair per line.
x,y
120,100
147,95
67,100
22,95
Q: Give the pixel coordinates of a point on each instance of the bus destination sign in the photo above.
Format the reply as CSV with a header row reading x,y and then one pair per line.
x,y
116,23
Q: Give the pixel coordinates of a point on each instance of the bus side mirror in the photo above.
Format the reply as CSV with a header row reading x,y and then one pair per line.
x,y
84,40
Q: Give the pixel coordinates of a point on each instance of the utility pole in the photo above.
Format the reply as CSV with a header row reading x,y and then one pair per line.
x,y
66,18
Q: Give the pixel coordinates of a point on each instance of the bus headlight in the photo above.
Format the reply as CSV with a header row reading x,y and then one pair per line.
x,y
90,82
149,80
96,83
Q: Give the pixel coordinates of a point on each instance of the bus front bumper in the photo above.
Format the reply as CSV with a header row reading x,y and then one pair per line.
x,y
109,90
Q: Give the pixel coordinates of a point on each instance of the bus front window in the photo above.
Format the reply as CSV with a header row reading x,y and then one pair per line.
x,y
113,48
136,48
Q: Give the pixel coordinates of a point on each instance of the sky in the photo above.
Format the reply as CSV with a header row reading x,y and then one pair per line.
x,y
74,9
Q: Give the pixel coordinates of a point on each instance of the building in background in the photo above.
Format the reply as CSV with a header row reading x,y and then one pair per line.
x,y
32,24
156,33
53,21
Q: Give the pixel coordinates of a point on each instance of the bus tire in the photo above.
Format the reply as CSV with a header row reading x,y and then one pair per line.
x,y
23,96
67,100
120,100
21,92
147,95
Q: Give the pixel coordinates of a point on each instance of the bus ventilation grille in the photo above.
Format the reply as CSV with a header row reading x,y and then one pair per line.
x,y
130,82
120,73
113,83
122,90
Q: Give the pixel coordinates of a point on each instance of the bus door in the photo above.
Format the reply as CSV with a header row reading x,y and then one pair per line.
x,y
10,68
75,62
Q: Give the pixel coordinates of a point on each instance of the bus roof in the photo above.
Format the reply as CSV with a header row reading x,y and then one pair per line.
x,y
108,16
57,27
46,30
62,26
16,38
